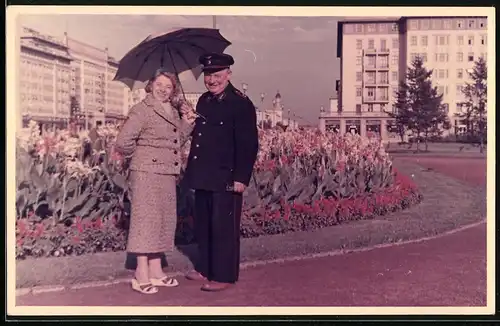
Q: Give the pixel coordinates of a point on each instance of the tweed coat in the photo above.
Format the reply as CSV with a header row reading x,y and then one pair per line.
x,y
151,138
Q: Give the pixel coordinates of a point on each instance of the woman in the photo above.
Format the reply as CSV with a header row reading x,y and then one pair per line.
x,y
151,136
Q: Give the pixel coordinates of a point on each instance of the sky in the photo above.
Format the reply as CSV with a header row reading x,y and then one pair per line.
x,y
295,55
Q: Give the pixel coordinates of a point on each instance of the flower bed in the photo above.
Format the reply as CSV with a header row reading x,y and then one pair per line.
x,y
72,199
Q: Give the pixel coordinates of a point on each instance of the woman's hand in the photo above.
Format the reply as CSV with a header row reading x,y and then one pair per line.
x,y
188,113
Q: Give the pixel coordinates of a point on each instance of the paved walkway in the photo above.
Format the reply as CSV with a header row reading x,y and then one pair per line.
x,y
447,271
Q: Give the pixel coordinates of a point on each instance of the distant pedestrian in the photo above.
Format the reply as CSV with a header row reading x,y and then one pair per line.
x,y
223,152
152,136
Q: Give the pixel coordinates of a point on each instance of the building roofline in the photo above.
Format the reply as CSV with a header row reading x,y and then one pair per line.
x,y
369,20
66,56
87,45
420,17
398,20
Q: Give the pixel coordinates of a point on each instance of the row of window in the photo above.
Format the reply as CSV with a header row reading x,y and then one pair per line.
x,y
372,28
371,77
445,40
38,108
446,23
383,92
445,57
382,62
442,40
48,87
383,44
370,106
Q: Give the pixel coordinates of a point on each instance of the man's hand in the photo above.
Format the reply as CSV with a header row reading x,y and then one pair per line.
x,y
239,187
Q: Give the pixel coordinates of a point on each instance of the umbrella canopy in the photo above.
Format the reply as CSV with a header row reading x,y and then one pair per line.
x,y
175,52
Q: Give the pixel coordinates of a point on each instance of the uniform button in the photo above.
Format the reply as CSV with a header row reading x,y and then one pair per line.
x,y
195,157
175,141
175,130
197,145
221,122
176,163
199,134
154,160
204,122
175,152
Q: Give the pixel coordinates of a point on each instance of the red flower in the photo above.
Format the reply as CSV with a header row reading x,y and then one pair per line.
x,y
98,223
78,224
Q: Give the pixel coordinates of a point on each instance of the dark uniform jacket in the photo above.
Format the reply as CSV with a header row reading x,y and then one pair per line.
x,y
224,141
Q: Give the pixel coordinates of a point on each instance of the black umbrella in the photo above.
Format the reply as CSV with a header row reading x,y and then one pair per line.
x,y
175,52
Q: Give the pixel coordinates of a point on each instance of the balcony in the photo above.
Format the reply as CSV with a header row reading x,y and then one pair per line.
x,y
383,67
370,67
370,82
383,82
370,52
383,52
373,99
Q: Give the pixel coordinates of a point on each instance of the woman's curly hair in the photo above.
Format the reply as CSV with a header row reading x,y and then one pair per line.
x,y
176,99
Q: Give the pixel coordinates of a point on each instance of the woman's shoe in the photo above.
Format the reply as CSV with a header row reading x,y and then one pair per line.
x,y
165,281
145,288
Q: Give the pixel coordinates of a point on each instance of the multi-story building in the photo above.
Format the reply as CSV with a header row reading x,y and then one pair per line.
x,y
53,71
100,98
270,118
132,97
375,55
45,78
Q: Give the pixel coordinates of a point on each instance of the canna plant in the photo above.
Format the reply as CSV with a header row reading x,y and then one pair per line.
x,y
57,176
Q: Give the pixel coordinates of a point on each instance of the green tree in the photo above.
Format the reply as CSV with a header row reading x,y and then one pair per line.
x,y
418,107
475,93
401,112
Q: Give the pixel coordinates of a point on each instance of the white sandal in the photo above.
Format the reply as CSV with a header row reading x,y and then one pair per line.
x,y
145,288
164,281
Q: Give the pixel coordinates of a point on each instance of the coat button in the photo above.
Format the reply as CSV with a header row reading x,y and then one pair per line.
x,y
175,152
197,145
154,160
195,157
176,163
204,122
175,141
221,122
175,130
199,134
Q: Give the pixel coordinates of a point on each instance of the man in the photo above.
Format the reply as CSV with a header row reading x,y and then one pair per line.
x,y
223,151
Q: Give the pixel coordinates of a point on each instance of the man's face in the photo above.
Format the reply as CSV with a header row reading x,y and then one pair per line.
x,y
216,82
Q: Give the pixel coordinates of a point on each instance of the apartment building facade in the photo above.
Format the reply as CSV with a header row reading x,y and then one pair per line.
x,y
45,78
375,55
52,71
100,98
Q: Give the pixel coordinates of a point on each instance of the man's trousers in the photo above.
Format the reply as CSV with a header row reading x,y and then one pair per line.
x,y
217,217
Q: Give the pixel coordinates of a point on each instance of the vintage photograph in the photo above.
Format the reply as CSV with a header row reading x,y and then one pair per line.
x,y
171,160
